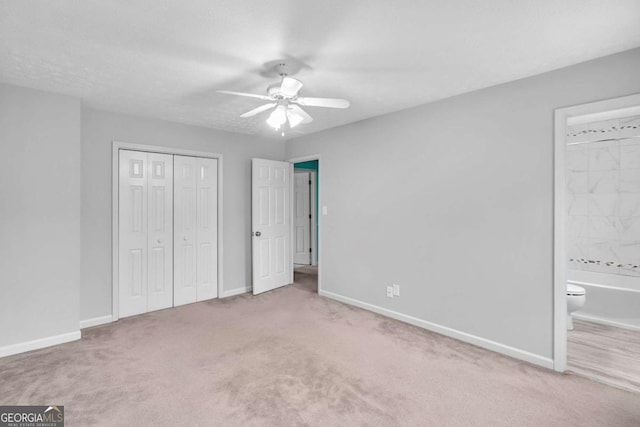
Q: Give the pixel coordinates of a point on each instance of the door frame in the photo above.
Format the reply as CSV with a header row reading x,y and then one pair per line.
x,y
318,176
314,218
313,233
115,243
560,265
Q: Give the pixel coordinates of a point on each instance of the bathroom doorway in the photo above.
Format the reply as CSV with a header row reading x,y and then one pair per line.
x,y
597,242
306,223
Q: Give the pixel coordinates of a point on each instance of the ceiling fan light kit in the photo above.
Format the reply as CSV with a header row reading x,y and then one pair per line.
x,y
278,117
284,98
294,118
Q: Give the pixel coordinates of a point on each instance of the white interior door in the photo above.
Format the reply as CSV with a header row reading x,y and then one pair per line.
x,y
207,228
302,213
185,230
271,224
160,231
132,233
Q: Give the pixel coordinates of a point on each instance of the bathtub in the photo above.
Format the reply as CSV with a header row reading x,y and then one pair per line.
x,y
611,299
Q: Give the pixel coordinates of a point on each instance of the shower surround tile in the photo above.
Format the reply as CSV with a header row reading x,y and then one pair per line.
x,y
578,248
578,226
630,181
578,204
604,159
578,158
604,227
629,140
629,204
603,196
603,182
630,228
604,143
578,133
630,258
605,128
586,132
578,253
630,252
578,182
629,126
603,252
603,204
630,155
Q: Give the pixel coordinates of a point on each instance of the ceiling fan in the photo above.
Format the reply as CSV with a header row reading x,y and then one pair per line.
x,y
286,102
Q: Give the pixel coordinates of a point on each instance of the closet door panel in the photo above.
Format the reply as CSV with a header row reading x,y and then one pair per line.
x,y
185,230
132,233
207,228
160,235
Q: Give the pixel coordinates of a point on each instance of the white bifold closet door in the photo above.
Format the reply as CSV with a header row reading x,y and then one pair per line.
x,y
145,219
195,229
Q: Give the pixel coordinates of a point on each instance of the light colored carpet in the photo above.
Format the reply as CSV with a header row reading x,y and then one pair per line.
x,y
306,269
290,357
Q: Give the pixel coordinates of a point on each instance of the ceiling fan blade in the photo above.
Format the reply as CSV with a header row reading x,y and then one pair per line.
x,y
258,110
306,118
290,86
250,95
322,102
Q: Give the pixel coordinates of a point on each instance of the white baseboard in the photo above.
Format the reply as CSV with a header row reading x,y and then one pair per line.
x,y
96,321
604,321
237,291
39,343
443,330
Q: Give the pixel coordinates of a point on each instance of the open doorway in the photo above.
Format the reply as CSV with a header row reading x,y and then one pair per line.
x,y
305,241
597,242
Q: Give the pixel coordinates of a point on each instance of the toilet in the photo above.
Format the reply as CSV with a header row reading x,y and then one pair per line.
x,y
575,300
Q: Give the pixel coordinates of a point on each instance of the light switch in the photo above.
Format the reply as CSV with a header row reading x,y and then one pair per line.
x,y
324,210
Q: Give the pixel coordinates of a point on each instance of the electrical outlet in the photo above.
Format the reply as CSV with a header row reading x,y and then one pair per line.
x,y
396,290
390,291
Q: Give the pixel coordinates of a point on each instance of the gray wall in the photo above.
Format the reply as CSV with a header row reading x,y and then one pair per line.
x,y
39,214
99,129
454,202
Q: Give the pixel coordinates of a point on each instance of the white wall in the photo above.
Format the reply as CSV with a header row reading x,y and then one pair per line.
x,y
454,201
99,129
39,215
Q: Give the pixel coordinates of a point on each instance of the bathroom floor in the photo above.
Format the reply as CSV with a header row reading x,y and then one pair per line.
x,y
605,353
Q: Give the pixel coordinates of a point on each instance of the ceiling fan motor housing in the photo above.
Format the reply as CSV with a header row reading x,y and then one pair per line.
x,y
274,91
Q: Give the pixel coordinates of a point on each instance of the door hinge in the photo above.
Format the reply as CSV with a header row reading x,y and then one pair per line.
x,y
310,250
309,216
309,182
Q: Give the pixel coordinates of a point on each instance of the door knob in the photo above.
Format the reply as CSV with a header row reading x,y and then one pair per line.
x,y
258,234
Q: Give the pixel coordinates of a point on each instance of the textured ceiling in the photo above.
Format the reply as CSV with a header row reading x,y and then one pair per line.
x,y
167,58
